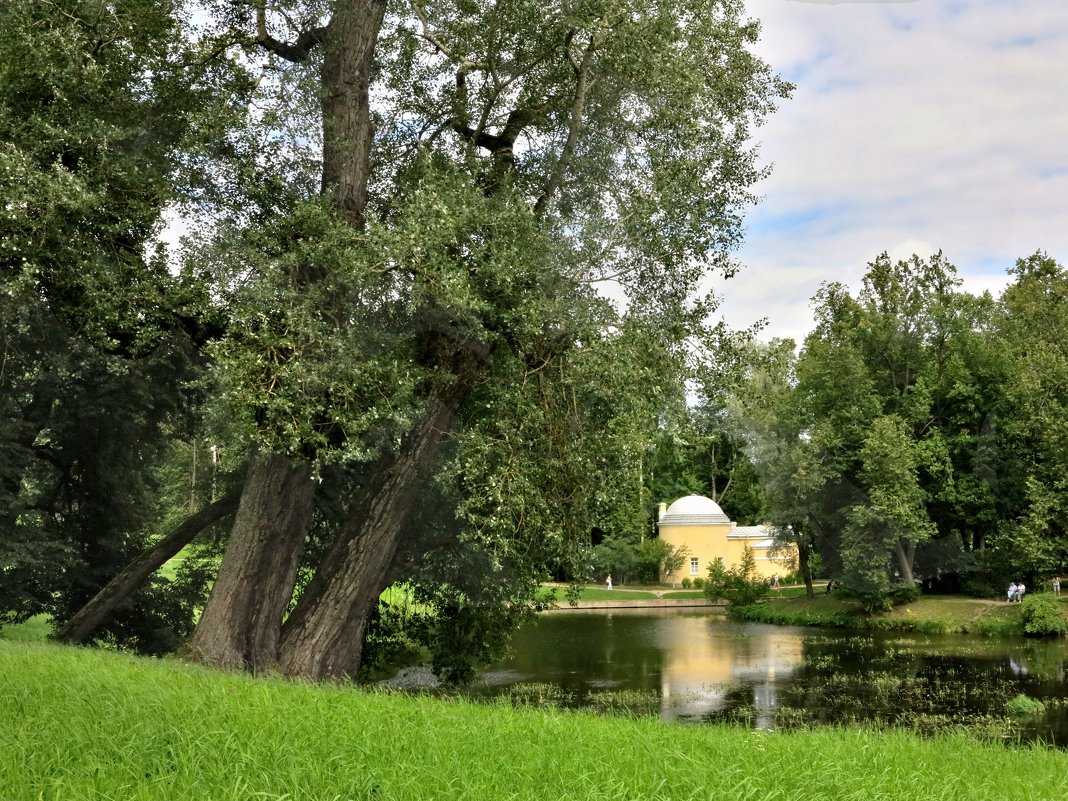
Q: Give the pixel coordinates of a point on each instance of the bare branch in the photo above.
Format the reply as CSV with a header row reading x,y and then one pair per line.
x,y
466,64
297,52
583,84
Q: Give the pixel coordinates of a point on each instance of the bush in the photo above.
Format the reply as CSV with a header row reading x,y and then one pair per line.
x,y
904,593
698,583
1042,615
686,584
740,585
872,602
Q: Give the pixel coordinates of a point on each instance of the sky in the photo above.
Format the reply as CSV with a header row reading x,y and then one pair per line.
x,y
915,126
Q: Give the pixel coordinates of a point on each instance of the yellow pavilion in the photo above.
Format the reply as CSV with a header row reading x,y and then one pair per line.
x,y
699,524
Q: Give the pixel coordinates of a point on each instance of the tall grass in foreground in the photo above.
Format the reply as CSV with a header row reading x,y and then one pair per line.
x,y
77,724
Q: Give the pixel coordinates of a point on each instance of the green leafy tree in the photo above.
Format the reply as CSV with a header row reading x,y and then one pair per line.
x,y
106,113
892,520
875,445
657,558
1023,446
523,155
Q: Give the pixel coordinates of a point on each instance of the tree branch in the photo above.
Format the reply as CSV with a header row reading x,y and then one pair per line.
x,y
86,619
583,83
297,52
465,64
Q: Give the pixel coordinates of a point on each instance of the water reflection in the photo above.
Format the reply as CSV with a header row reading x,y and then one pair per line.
x,y
707,662
694,666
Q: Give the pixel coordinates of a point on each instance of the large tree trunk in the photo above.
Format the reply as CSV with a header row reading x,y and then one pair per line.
x,y
323,638
86,619
906,554
241,624
242,620
346,77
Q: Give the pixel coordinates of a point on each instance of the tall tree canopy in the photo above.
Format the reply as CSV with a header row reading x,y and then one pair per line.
x,y
430,319
107,113
915,434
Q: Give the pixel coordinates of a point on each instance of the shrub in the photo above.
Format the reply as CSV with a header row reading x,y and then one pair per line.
x,y
874,601
698,583
1042,615
686,584
904,593
740,585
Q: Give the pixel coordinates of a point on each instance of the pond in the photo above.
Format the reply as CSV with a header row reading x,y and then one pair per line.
x,y
699,667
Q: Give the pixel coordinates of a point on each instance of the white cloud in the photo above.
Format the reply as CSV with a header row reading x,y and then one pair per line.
x,y
925,125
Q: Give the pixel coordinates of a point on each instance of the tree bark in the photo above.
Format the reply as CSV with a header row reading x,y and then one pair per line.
x,y
241,624
323,638
86,619
905,553
242,620
346,80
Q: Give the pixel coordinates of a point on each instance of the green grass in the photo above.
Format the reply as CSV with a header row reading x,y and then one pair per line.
x,y
77,724
600,594
929,614
684,594
36,629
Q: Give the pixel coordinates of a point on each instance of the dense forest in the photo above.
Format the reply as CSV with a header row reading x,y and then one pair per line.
x,y
436,316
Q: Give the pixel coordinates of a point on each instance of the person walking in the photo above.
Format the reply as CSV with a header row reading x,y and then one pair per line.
x,y
608,581
1056,585
1012,592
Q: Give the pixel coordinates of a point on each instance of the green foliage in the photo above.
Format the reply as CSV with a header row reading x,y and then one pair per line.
x,y
1023,706
656,558
892,514
614,556
881,600
468,281
107,113
1030,458
686,583
882,443
1042,615
738,585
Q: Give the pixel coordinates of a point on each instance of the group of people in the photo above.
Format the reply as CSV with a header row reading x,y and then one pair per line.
x,y
1017,589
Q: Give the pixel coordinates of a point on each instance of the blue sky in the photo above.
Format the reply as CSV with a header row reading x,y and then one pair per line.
x,y
916,126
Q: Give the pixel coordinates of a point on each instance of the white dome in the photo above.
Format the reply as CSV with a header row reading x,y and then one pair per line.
x,y
694,505
694,510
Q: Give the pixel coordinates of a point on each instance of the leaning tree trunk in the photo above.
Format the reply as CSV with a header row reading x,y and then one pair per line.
x,y
241,622
86,619
323,638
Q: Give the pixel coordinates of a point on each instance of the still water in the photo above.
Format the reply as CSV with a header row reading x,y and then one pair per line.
x,y
699,667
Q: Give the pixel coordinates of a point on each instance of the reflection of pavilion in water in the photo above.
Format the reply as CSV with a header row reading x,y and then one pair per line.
x,y
707,665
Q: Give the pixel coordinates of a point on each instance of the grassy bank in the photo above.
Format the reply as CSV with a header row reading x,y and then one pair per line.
x,y
631,592
81,724
928,614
